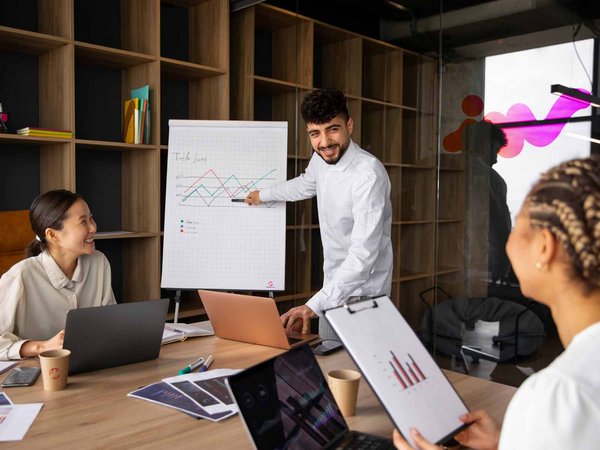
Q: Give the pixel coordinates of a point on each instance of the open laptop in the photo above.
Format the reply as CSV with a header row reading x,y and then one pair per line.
x,y
114,335
249,319
286,403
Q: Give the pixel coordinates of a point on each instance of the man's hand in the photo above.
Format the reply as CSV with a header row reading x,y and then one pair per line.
x,y
253,198
34,348
298,319
483,434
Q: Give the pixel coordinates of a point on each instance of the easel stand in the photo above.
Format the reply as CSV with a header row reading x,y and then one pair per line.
x,y
177,301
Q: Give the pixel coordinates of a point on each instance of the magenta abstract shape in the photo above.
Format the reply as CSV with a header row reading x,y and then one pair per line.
x,y
537,135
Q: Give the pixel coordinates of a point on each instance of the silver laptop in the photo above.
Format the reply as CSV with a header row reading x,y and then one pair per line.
x,y
249,319
114,335
286,403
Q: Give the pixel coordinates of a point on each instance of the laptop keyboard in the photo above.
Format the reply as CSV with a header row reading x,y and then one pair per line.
x,y
365,442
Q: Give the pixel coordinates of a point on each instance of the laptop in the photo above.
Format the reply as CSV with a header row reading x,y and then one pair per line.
x,y
285,402
114,335
249,319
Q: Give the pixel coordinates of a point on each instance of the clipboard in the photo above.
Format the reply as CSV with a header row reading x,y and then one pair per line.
x,y
409,384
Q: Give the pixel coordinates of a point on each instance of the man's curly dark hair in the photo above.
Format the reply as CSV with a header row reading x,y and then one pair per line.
x,y
322,105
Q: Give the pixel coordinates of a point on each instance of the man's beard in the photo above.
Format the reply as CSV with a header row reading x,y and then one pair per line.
x,y
333,162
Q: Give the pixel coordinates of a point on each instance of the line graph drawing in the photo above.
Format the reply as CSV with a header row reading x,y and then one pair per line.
x,y
212,238
209,187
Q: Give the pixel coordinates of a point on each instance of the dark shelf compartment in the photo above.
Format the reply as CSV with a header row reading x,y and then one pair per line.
x,y
21,184
96,168
98,22
174,95
19,89
97,114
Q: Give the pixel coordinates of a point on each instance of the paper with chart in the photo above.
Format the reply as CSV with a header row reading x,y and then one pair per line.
x,y
402,373
15,420
211,241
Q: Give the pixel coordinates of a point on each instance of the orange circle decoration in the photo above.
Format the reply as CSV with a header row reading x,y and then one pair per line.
x,y
54,373
472,105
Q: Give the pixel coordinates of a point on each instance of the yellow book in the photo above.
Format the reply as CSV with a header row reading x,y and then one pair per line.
x,y
129,121
47,133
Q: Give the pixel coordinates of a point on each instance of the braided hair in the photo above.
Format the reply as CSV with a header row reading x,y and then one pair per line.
x,y
566,201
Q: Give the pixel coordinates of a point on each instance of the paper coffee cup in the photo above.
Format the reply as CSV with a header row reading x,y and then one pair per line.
x,y
344,386
55,369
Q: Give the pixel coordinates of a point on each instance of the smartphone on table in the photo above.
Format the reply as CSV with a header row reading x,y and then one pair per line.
x,y
21,376
326,347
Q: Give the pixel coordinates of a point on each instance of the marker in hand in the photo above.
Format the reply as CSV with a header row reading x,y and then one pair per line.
x,y
192,366
207,364
238,200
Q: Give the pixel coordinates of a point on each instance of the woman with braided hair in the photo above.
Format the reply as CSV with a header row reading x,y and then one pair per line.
x,y
555,252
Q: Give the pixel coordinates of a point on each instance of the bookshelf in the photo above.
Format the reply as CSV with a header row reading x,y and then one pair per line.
x,y
392,99
70,65
73,63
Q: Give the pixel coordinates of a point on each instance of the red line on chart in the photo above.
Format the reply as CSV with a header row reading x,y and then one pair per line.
x,y
399,366
412,373
400,380
231,195
417,368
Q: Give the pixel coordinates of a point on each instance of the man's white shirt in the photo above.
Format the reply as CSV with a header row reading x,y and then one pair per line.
x,y
355,218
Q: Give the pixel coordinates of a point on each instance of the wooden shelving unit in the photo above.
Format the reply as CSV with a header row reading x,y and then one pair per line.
x,y
72,64
72,68
392,100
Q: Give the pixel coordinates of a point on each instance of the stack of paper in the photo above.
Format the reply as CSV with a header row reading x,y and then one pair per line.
x,y
202,395
44,132
136,118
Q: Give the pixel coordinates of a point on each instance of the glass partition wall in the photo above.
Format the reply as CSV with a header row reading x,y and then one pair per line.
x,y
460,111
500,126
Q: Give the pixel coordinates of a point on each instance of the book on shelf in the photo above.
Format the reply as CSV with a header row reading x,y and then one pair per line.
x,y
128,122
44,132
136,121
136,117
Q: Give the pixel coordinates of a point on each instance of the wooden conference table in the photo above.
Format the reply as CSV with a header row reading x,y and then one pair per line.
x,y
94,410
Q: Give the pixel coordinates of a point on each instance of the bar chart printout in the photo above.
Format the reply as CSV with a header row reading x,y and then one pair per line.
x,y
408,373
212,238
410,385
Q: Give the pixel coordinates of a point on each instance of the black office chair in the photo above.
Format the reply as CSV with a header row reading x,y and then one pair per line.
x,y
482,328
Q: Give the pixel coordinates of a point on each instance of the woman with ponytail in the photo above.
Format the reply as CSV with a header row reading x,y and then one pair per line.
x,y
62,271
554,249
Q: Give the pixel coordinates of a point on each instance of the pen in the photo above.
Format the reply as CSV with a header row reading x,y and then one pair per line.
x,y
207,364
238,200
192,366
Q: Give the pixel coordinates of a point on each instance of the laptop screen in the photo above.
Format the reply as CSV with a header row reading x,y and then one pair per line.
x,y
286,403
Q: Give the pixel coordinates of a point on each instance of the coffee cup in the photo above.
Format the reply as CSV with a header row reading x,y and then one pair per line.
x,y
55,369
344,386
